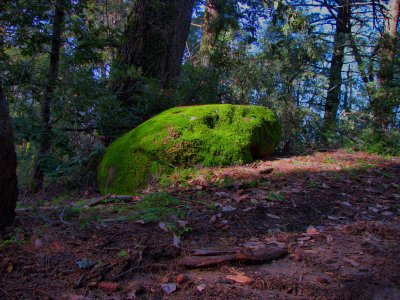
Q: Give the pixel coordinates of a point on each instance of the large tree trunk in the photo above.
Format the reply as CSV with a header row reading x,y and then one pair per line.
x,y
8,158
154,42
382,106
45,104
8,165
335,74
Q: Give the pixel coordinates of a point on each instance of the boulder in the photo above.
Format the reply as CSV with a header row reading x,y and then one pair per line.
x,y
207,135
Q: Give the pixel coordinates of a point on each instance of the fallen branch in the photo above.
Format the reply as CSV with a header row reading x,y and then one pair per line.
x,y
208,257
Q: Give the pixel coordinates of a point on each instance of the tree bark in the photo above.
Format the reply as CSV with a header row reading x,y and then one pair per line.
x,y
154,42
335,74
45,104
382,106
8,166
209,32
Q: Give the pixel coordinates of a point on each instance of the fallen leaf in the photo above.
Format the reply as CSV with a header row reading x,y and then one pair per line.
x,y
240,198
352,262
273,216
10,268
323,280
223,194
311,230
181,278
213,219
168,288
239,278
201,287
266,171
108,286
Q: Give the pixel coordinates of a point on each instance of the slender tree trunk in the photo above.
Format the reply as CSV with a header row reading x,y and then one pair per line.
x,y
382,106
154,42
209,32
45,104
335,74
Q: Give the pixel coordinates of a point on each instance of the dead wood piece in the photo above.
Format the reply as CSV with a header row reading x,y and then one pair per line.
x,y
266,171
100,200
264,254
204,261
208,252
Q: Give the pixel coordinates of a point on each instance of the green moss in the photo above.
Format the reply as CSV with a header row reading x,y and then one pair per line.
x,y
210,135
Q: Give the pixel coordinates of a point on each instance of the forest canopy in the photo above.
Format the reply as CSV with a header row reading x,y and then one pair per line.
x,y
78,74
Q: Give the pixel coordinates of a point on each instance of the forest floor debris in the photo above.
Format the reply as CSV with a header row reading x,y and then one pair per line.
x,y
337,215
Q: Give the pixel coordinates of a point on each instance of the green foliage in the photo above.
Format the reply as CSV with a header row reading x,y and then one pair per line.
x,y
159,207
361,132
209,135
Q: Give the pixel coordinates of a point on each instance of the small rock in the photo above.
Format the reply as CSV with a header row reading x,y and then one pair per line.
x,y
182,223
373,209
85,263
247,209
38,243
329,238
176,241
168,288
163,227
181,278
92,284
345,203
325,186
387,213
201,287
228,208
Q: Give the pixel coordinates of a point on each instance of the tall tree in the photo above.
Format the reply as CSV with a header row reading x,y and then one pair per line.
x,y
335,73
45,103
8,158
153,45
8,165
381,105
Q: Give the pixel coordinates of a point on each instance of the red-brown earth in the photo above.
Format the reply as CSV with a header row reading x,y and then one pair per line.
x,y
337,213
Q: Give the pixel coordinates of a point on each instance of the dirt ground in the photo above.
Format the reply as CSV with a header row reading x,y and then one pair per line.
x,y
336,213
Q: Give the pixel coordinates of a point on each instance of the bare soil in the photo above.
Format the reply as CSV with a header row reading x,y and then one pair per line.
x,y
337,213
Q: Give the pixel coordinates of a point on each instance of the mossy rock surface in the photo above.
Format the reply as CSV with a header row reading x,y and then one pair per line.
x,y
210,135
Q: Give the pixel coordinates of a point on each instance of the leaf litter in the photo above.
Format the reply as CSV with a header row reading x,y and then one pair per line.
x,y
339,224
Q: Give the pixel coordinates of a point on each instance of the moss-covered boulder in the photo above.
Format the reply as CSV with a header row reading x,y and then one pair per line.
x,y
210,135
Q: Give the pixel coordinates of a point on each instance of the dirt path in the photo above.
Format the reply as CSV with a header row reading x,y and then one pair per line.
x,y
336,213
